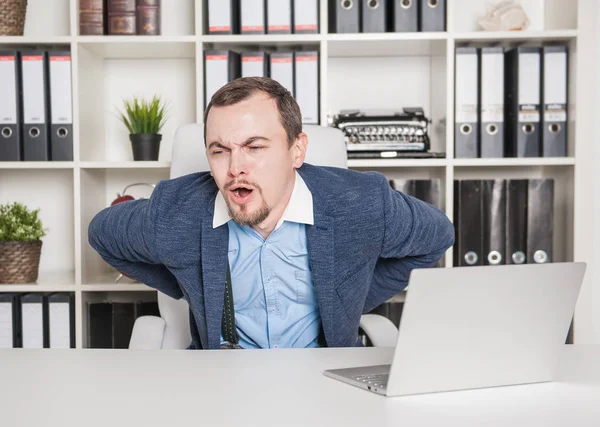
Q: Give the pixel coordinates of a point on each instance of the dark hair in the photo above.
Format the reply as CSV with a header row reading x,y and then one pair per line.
x,y
242,88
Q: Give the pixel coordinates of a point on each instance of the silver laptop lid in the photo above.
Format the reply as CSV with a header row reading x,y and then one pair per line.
x,y
473,327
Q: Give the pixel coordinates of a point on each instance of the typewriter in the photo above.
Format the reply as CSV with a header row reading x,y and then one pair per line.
x,y
384,133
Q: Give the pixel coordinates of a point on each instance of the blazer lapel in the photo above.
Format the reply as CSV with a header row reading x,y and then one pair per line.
x,y
320,248
214,252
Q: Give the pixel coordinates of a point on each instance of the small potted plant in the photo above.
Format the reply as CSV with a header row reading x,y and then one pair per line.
x,y
144,119
21,230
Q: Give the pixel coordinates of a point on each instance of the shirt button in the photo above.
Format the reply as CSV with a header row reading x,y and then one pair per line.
x,y
275,346
273,310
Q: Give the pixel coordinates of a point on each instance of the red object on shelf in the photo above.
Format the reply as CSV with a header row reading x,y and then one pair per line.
x,y
126,197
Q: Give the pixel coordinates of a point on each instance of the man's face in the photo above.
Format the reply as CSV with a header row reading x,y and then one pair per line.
x,y
250,158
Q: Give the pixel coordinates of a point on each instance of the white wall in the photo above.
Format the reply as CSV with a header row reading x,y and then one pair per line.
x,y
587,173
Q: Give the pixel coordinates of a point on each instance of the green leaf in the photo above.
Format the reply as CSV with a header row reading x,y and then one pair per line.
x,y
19,223
143,116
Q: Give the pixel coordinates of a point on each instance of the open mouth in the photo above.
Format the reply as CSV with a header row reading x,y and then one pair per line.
x,y
241,193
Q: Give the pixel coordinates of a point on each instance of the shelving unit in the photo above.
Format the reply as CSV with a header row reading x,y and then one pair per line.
x,y
391,70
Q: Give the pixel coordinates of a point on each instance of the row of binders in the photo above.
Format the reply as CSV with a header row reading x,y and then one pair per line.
x,y
503,221
378,16
298,72
262,16
427,190
511,103
37,320
36,114
110,323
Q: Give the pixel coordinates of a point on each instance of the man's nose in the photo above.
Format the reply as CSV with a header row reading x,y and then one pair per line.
x,y
238,163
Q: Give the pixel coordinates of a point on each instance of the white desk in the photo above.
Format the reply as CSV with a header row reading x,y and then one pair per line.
x,y
110,388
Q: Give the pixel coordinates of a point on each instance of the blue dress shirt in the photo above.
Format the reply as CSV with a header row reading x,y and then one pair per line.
x,y
274,298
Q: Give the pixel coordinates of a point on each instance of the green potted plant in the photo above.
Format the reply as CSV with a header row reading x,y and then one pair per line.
x,y
21,230
144,119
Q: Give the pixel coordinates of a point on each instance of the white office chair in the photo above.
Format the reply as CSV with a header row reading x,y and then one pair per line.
x,y
326,147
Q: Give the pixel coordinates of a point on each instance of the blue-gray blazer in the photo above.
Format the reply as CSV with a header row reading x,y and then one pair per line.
x,y
365,241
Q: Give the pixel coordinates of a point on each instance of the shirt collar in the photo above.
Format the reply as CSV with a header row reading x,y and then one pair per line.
x,y
299,208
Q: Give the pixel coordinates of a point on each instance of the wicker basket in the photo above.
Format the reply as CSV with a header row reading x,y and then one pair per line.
x,y
19,261
12,17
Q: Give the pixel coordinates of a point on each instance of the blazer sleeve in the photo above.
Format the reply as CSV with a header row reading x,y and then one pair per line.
x,y
125,236
415,235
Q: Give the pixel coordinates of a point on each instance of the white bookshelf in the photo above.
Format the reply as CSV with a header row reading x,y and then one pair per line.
x,y
391,70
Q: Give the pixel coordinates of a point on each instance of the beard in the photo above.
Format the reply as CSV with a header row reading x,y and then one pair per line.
x,y
244,216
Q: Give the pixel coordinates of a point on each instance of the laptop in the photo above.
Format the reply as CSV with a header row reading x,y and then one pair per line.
x,y
476,327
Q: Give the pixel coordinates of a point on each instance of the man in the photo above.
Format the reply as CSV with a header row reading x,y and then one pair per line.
x,y
308,249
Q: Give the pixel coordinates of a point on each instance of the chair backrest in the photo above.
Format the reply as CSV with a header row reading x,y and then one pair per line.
x,y
326,147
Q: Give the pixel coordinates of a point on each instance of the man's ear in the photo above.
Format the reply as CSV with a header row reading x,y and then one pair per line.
x,y
299,148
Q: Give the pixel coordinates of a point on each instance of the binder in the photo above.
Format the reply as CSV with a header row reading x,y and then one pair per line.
x,y
281,68
100,325
254,64
222,16
540,220
10,328
493,221
279,16
33,313
344,16
405,186
10,106
252,16
404,16
467,217
516,221
554,95
61,320
220,67
306,16
123,318
428,190
466,89
433,15
523,101
307,85
61,107
374,16
34,81
492,102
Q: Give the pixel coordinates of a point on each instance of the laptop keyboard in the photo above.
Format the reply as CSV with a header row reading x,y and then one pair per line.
x,y
377,380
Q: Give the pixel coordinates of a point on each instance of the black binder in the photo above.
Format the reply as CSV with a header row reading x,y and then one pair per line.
x,y
516,221
403,16
344,16
494,221
253,15
100,325
279,16
523,102
220,67
60,320
10,321
123,318
254,64
374,16
466,96
10,106
34,315
36,143
432,15
540,220
61,109
468,246
427,190
554,96
492,102
222,16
